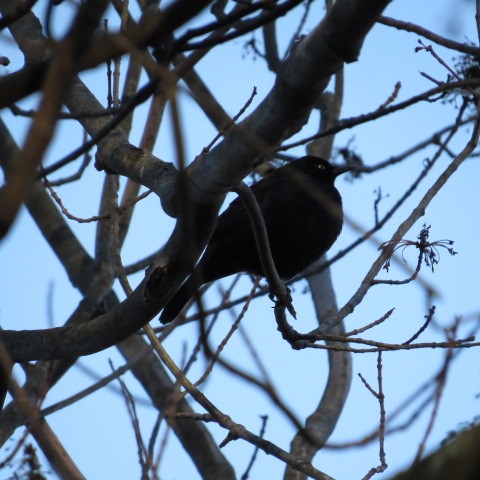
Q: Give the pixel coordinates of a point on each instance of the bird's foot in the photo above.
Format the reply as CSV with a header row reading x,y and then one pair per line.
x,y
284,300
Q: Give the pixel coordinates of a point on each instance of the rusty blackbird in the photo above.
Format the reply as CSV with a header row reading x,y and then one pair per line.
x,y
303,215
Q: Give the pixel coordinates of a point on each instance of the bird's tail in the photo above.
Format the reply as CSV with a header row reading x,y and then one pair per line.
x,y
177,302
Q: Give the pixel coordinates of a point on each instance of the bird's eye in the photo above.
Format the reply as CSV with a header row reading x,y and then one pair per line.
x,y
321,167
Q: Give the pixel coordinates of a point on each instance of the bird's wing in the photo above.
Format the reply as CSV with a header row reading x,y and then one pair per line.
x,y
236,213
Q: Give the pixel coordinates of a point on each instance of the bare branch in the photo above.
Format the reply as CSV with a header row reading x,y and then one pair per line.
x,y
445,42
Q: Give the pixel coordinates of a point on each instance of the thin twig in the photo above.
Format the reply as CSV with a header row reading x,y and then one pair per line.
x,y
95,218
381,430
445,42
231,331
351,122
417,212
256,450
441,381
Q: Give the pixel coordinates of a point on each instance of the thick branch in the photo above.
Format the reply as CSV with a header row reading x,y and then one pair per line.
x,y
302,78
459,459
151,31
80,268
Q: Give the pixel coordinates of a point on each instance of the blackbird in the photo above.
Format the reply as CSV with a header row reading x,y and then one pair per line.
x,y
303,215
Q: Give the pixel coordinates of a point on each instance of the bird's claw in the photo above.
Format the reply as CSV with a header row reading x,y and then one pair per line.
x,y
284,300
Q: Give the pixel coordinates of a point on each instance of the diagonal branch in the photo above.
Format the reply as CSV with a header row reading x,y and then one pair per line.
x,y
80,268
304,74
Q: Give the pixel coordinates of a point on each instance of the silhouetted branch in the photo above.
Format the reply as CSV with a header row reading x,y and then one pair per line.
x,y
445,42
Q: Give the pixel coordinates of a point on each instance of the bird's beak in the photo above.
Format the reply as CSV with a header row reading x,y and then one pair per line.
x,y
340,170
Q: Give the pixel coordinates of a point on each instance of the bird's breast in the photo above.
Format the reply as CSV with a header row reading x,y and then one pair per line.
x,y
296,241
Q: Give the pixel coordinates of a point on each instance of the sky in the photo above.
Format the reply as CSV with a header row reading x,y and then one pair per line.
x,y
35,292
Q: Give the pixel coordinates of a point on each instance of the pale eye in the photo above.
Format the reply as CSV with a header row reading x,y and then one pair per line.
x,y
321,167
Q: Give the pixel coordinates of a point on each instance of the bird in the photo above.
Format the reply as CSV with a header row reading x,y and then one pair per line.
x,y
303,216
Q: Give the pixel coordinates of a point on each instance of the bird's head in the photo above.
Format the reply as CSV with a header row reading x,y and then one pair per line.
x,y
319,168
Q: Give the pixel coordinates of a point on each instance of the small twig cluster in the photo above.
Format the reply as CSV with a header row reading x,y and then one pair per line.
x,y
429,251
